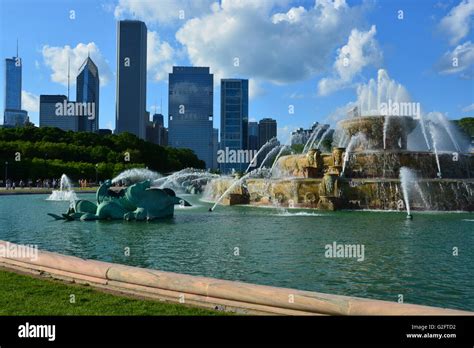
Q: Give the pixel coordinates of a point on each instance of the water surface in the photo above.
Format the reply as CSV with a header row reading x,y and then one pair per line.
x,y
276,247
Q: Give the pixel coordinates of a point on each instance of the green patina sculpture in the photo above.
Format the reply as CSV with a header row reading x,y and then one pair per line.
x,y
137,202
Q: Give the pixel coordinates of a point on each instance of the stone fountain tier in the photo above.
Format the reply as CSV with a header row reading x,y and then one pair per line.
x,y
373,128
377,164
339,193
387,164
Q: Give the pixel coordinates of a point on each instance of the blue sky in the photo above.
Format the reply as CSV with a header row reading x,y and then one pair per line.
x,y
291,51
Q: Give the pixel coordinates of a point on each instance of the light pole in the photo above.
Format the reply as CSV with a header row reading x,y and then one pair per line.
x,y
6,173
96,173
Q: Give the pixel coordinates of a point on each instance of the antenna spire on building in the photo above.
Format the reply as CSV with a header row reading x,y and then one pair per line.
x,y
17,47
68,70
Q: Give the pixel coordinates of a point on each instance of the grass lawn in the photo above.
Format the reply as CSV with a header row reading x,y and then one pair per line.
x,y
28,295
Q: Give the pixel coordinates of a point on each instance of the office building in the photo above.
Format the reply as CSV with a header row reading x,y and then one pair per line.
x,y
267,129
13,116
190,111
156,132
87,91
234,123
301,136
51,113
253,136
131,78
216,147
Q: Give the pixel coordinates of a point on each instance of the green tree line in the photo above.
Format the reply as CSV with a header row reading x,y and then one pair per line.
x,y
38,153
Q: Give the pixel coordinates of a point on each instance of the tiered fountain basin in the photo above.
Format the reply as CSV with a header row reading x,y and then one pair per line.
x,y
369,180
395,128
378,194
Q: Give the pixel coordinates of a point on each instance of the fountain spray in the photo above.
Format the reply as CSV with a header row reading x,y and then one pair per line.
x,y
254,159
434,138
314,135
406,177
269,155
231,187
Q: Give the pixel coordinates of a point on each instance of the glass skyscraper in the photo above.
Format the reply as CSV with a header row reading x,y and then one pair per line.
x,y
190,108
234,120
131,78
13,83
13,115
87,91
253,136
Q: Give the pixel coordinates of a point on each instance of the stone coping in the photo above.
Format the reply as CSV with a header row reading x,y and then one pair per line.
x,y
203,291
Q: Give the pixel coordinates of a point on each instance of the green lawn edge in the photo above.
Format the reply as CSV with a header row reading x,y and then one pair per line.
x,y
29,295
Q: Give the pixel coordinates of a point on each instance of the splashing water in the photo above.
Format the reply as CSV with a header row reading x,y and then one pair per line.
x,y
372,95
233,185
65,192
312,137
269,155
410,183
325,134
136,174
445,125
406,178
189,179
254,159
434,138
359,137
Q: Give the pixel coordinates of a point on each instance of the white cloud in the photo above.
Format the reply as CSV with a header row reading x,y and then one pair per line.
x,y
160,57
458,61
29,102
275,47
292,16
163,11
360,51
457,23
56,58
468,108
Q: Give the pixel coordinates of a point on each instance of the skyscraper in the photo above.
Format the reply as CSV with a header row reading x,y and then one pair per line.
x,y
253,136
87,91
215,148
267,129
190,108
234,120
48,115
131,78
13,115
13,83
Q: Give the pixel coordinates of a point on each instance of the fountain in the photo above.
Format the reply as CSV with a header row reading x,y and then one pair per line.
x,y
65,192
138,201
187,180
372,172
135,175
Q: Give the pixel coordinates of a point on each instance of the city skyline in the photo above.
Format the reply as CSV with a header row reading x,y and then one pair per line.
x,y
314,96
